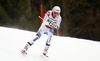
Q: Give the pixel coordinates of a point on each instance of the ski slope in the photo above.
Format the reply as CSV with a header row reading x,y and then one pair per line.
x,y
61,49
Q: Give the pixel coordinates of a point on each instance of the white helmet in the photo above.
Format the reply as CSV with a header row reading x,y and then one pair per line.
x,y
56,9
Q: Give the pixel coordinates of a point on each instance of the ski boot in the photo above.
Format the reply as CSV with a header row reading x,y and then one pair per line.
x,y
45,51
23,51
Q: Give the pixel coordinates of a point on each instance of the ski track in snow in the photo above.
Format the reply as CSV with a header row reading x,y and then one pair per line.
x,y
61,49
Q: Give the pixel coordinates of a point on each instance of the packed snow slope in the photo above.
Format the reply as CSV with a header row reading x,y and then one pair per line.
x,y
61,49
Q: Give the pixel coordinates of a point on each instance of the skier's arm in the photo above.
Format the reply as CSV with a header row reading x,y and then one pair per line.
x,y
47,20
46,16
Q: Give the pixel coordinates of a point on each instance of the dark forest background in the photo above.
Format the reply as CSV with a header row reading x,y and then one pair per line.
x,y
80,18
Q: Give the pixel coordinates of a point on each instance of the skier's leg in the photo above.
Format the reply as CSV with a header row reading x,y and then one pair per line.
x,y
38,35
48,42
30,43
25,48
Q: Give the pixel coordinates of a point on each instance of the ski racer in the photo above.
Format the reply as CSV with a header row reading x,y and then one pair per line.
x,y
51,21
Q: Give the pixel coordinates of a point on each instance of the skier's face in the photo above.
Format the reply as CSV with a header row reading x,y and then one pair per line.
x,y
55,14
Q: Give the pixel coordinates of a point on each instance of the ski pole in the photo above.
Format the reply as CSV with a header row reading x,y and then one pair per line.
x,y
57,31
40,17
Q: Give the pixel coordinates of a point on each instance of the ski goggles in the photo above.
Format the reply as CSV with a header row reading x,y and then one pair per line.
x,y
56,13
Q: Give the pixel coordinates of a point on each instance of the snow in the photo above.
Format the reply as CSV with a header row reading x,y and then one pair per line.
x,y
61,49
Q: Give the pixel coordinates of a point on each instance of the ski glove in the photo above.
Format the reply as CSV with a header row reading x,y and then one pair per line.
x,y
53,25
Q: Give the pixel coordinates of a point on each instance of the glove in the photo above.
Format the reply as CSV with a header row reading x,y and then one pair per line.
x,y
53,25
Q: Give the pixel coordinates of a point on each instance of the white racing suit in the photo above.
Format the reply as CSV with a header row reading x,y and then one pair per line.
x,y
46,28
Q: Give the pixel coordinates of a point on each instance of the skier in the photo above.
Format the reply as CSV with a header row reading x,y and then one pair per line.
x,y
52,20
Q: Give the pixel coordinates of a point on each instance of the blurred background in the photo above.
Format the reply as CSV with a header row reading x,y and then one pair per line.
x,y
80,18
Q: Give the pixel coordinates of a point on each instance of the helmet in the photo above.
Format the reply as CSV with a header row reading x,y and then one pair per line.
x,y
56,10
